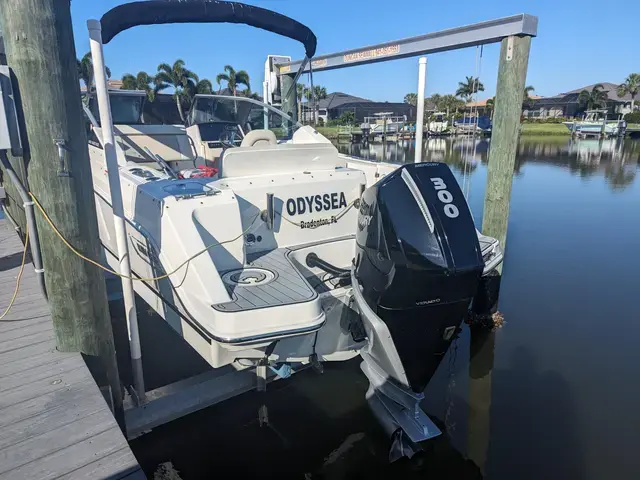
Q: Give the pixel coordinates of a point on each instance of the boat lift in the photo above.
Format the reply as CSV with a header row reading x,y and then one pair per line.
x,y
154,408
279,77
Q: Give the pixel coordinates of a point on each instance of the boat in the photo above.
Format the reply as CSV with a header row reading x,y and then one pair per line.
x,y
438,125
384,123
593,123
262,246
468,125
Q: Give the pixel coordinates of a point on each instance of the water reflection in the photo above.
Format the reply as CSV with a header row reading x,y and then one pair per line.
x,y
614,159
481,359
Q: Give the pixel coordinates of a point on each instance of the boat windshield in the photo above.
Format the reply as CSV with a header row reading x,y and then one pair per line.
x,y
247,113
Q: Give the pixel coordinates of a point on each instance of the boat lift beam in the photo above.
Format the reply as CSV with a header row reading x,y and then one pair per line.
x,y
482,33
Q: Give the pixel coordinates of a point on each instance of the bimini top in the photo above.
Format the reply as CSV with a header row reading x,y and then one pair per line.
x,y
157,12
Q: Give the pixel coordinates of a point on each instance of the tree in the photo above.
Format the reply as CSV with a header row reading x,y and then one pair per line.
x,y
347,118
526,98
631,86
183,81
489,106
468,88
596,98
451,103
436,99
85,70
300,94
319,93
249,94
411,98
142,81
233,79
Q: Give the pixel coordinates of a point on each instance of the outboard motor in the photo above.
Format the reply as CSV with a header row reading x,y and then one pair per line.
x,y
418,264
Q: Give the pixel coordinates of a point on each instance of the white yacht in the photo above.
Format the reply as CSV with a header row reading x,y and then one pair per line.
x,y
592,124
277,249
438,124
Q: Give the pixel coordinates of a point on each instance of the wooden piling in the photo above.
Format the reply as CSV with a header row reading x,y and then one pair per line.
x,y
512,73
290,103
40,49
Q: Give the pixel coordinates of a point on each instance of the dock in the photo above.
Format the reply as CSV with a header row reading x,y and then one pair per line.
x,y
54,420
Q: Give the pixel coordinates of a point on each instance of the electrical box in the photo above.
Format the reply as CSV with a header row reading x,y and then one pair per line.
x,y
9,131
273,90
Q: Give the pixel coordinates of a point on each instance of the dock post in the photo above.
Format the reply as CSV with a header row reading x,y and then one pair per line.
x,y
40,49
422,80
289,104
512,73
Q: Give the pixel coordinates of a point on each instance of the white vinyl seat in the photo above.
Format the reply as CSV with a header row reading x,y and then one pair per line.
x,y
278,159
259,138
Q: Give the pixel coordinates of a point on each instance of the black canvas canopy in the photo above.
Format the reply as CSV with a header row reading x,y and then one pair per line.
x,y
157,12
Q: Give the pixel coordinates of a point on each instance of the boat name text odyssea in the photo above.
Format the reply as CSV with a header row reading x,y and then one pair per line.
x,y
316,203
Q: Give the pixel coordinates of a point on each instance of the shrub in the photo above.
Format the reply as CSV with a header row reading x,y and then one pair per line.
x,y
632,117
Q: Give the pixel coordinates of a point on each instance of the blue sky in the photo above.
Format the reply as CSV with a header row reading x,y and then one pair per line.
x,y
577,44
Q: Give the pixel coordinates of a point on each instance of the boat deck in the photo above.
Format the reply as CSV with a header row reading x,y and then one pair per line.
x,y
54,421
287,287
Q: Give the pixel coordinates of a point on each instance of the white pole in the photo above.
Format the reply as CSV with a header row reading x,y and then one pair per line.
x,y
264,99
111,161
422,81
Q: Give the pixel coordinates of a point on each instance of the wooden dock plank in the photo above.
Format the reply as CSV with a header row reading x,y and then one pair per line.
x,y
104,467
70,459
54,422
48,371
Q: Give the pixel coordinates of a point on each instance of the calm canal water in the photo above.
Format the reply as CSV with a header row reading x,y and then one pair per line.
x,y
552,394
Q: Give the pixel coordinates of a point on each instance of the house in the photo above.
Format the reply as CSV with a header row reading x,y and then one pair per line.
x,y
483,109
567,104
112,84
337,103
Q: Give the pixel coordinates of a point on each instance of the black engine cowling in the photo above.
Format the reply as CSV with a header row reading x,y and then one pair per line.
x,y
418,262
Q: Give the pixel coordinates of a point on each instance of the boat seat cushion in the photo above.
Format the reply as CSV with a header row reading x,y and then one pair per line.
x,y
257,138
168,141
275,159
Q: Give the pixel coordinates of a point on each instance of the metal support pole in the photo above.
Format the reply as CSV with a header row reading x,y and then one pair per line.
x,y
266,110
289,102
111,161
422,81
34,238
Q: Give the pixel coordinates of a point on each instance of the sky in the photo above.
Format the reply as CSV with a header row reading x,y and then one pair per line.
x,y
577,44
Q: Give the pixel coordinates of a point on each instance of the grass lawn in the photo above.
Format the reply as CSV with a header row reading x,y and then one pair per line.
x,y
544,129
329,132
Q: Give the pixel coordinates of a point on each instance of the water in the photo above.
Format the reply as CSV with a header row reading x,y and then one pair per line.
x,y
552,394
556,394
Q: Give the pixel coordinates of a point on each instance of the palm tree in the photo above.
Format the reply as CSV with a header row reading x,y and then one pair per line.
x,y
142,81
411,98
469,87
85,70
490,104
596,98
233,79
436,100
450,102
300,94
184,82
319,93
630,86
527,100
